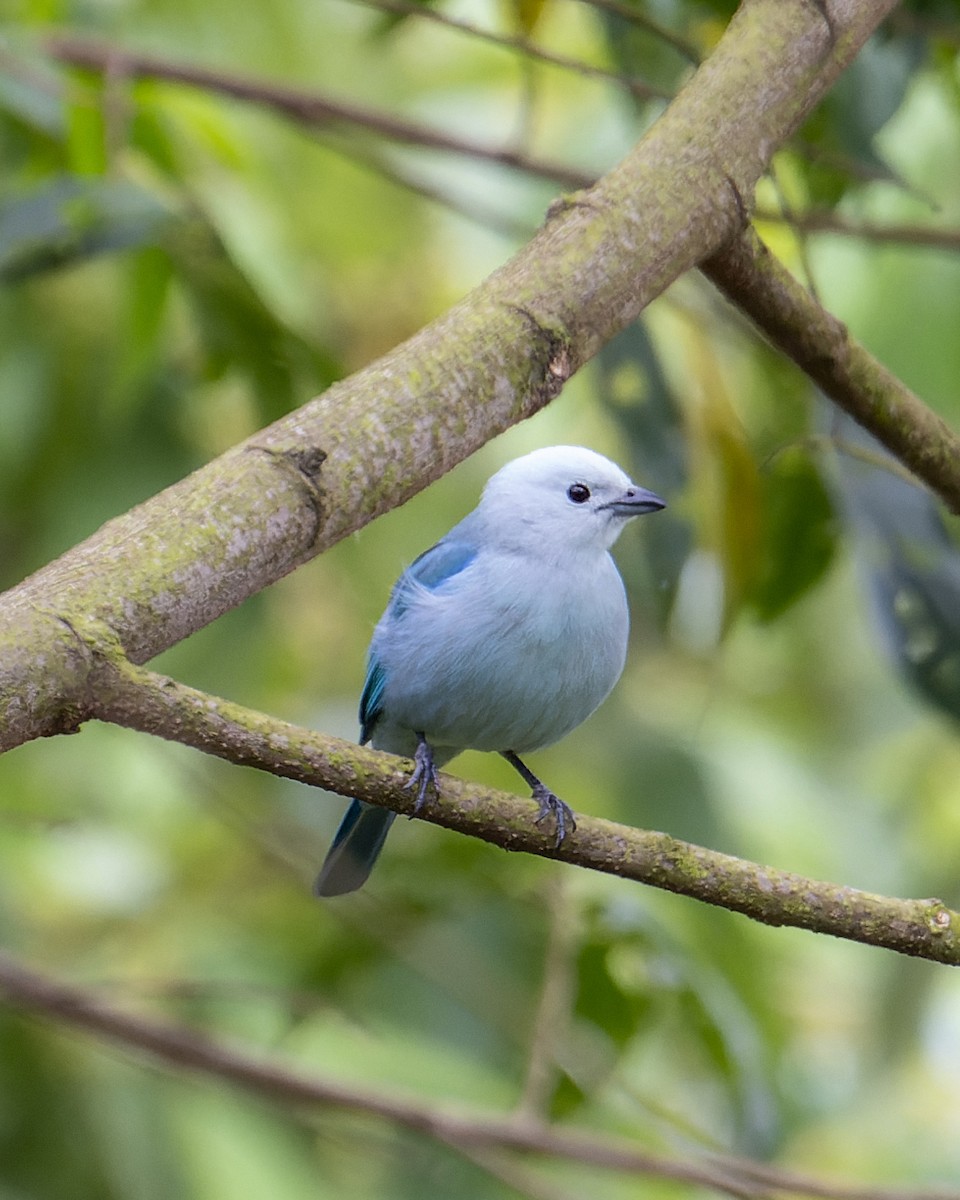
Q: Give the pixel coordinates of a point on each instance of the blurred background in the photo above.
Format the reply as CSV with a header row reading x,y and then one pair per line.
x,y
177,268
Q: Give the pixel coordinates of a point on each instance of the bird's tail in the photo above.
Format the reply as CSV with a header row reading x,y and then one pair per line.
x,y
355,849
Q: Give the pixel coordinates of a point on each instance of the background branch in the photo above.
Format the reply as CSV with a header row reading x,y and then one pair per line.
x,y
749,275
743,269
524,46
896,233
311,108
80,1008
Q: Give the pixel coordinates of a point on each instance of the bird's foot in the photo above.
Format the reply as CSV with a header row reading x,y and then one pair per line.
x,y
424,774
552,806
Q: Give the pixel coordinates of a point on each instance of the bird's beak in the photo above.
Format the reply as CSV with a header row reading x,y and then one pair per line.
x,y
635,501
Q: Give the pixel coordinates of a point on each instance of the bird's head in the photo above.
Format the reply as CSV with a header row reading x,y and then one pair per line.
x,y
562,498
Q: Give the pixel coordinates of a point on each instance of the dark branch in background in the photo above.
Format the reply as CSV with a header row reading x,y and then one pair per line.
x,y
309,108
753,279
139,699
634,16
465,1130
518,45
889,232
318,109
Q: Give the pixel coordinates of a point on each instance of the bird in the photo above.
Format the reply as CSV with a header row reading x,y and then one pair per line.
x,y
504,637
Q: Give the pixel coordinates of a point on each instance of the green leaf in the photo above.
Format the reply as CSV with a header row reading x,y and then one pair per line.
x,y
911,565
69,219
840,135
798,534
30,92
634,390
236,325
86,133
526,14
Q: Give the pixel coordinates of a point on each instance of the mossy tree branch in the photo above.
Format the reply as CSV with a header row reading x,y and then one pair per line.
x,y
175,563
140,699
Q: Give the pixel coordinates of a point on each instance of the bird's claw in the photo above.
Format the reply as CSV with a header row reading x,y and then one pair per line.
x,y
552,806
424,774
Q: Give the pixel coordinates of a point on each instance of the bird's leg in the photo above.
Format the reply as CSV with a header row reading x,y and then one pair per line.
x,y
550,804
424,773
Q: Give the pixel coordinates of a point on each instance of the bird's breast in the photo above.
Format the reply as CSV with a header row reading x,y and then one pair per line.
x,y
512,658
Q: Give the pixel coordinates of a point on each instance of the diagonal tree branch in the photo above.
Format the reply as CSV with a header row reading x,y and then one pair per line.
x,y
139,699
74,1007
178,561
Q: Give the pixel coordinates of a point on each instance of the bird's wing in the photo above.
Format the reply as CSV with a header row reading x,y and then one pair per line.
x,y
434,567
371,699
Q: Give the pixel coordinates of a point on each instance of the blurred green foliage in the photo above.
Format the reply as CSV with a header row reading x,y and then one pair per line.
x,y
178,268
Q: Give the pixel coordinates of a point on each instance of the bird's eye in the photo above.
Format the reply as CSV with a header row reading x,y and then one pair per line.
x,y
579,493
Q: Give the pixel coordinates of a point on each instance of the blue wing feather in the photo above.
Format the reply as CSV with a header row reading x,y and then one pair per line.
x,y
432,569
371,699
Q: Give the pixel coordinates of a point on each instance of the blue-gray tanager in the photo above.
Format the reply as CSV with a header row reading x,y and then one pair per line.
x,y
503,636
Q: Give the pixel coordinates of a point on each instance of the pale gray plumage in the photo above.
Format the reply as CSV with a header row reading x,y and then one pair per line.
x,y
504,636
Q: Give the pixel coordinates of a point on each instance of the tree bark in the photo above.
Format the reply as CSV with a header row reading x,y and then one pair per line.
x,y
175,563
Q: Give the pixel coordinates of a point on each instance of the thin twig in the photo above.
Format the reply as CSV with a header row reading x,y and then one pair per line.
x,y
308,107
316,108
902,233
854,167
513,1174
552,1016
800,240
829,442
641,20
518,45
472,209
